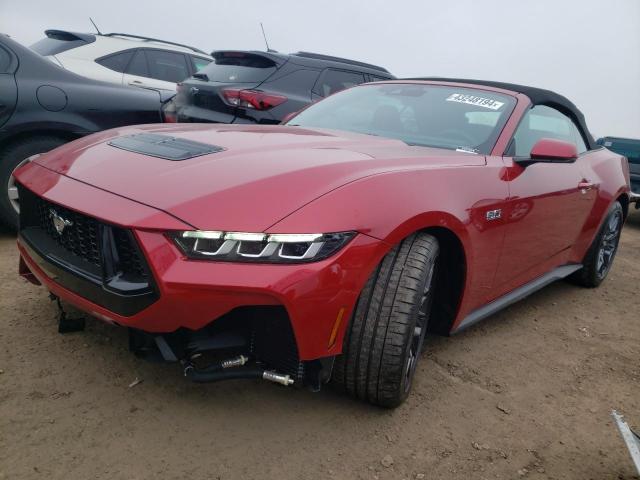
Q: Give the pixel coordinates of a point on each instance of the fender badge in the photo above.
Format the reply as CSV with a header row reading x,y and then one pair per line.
x,y
494,214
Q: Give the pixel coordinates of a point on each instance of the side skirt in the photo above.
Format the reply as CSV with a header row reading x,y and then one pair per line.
x,y
516,295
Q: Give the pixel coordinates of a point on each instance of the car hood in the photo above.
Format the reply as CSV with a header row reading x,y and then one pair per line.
x,y
260,175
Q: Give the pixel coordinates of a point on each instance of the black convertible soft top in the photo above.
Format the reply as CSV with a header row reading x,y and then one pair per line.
x,y
538,96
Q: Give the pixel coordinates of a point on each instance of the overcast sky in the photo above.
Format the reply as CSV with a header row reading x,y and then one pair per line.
x,y
588,50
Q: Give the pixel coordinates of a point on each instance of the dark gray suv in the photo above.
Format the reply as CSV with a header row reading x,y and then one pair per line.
x,y
264,87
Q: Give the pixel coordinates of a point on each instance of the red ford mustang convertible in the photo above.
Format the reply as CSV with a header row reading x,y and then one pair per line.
x,y
323,250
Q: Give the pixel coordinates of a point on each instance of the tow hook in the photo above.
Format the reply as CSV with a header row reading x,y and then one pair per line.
x,y
235,362
233,368
276,377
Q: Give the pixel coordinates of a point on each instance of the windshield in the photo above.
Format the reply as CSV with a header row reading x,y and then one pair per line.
x,y
428,115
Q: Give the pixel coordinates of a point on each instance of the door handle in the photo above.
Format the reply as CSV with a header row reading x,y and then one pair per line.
x,y
135,82
585,185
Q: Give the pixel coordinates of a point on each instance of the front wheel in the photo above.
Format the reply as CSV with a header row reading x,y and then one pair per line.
x,y
387,331
599,258
12,158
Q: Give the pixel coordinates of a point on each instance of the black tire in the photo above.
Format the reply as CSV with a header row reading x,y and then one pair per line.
x,y
383,344
12,156
599,258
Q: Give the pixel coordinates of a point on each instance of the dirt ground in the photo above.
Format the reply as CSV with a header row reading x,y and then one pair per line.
x,y
525,394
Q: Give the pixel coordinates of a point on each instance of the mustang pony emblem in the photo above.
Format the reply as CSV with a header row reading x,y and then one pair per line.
x,y
59,223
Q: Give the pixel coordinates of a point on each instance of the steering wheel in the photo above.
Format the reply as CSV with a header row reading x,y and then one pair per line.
x,y
455,135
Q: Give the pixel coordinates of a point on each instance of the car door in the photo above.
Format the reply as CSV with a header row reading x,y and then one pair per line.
x,y
116,64
548,203
156,68
8,89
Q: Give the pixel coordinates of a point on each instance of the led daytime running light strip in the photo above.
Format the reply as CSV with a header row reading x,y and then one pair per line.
x,y
253,237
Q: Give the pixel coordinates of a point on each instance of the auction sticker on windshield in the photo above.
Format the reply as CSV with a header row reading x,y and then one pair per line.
x,y
473,100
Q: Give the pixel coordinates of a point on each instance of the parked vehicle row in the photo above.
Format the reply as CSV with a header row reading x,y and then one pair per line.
x,y
324,249
45,103
122,58
43,106
264,87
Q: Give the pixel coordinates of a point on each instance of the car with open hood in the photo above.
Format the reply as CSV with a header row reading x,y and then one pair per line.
x,y
323,250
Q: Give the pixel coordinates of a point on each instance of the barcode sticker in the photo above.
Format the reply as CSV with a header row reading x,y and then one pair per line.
x,y
473,100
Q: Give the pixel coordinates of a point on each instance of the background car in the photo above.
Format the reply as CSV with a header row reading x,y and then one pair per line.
x,y
122,58
630,148
43,106
264,87
327,247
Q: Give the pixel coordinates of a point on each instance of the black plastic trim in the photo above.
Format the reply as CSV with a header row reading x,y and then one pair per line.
x,y
70,36
85,284
516,295
150,39
330,58
163,146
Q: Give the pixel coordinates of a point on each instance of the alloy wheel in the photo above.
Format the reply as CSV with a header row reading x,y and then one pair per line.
x,y
609,244
419,331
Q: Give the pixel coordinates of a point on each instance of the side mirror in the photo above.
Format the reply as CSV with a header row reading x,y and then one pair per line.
x,y
550,150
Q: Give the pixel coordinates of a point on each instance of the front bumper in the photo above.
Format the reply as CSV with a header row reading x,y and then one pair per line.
x,y
191,294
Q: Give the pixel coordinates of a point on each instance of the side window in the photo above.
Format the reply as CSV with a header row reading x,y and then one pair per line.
x,y
167,66
545,122
138,65
375,78
579,140
332,81
198,63
117,62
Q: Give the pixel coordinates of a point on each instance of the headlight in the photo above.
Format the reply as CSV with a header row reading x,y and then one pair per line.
x,y
260,247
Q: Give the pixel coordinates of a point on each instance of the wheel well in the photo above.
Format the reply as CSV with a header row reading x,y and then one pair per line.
x,y
449,280
68,136
624,201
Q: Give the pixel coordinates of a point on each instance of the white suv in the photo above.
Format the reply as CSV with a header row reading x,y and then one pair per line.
x,y
122,58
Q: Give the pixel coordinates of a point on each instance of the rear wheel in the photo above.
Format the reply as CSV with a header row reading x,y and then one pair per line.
x,y
383,344
599,258
12,158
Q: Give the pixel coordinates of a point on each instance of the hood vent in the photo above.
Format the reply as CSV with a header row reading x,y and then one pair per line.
x,y
163,146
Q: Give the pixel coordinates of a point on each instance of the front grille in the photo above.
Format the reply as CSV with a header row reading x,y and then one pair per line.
x,y
82,238
129,258
94,259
